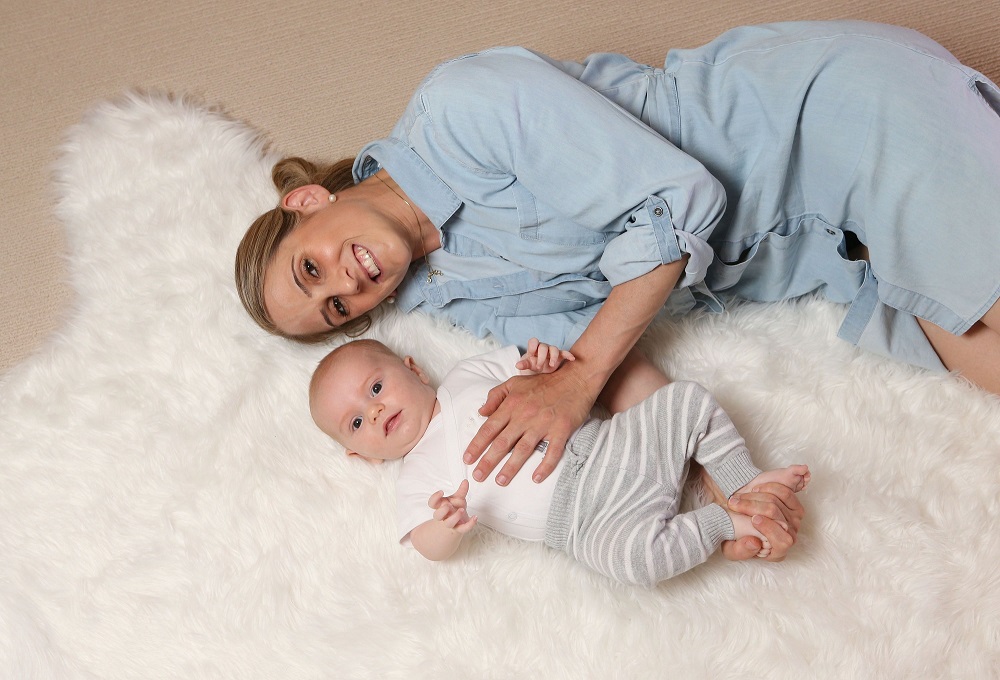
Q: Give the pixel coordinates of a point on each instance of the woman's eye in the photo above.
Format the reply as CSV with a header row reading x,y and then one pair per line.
x,y
310,268
356,423
339,306
376,388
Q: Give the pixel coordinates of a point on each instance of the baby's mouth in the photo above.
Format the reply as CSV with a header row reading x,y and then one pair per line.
x,y
366,260
390,424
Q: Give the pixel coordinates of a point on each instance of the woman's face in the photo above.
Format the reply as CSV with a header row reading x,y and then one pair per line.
x,y
341,261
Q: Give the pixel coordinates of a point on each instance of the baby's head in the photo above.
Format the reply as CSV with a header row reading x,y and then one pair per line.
x,y
371,401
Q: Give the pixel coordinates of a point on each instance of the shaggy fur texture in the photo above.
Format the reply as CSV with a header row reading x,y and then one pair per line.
x,y
170,511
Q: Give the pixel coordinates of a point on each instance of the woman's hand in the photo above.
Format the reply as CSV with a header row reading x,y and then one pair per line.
x,y
769,506
523,412
527,410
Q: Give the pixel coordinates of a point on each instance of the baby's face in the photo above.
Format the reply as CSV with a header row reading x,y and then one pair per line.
x,y
372,403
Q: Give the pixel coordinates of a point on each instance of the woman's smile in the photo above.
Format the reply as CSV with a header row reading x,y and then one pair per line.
x,y
368,262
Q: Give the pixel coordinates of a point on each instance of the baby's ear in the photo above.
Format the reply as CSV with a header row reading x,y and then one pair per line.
x,y
413,366
373,461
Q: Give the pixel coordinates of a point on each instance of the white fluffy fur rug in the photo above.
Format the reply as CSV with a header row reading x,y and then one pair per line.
x,y
170,511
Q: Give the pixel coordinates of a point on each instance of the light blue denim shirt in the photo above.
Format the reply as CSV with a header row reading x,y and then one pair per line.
x,y
552,181
546,195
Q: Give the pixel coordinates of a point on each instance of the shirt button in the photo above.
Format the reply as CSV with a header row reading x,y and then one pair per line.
x,y
831,232
512,516
658,211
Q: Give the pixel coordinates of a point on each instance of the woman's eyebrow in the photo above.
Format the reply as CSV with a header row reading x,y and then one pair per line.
x,y
298,283
305,290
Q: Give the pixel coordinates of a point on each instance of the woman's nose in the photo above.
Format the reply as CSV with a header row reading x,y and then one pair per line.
x,y
341,284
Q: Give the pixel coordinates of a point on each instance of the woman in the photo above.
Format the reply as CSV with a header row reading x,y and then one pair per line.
x,y
572,201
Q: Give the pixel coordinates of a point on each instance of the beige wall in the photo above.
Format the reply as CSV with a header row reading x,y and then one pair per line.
x,y
319,78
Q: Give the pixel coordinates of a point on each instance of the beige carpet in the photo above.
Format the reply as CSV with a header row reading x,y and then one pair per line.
x,y
319,78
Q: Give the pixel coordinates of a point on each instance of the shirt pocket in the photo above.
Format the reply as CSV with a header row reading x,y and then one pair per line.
x,y
536,303
803,255
550,228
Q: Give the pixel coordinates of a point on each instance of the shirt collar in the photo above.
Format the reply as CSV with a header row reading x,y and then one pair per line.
x,y
413,176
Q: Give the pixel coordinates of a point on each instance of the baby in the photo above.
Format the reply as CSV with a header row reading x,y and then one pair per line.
x,y
612,502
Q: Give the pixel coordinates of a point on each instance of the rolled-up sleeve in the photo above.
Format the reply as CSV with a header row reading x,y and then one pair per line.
x,y
509,113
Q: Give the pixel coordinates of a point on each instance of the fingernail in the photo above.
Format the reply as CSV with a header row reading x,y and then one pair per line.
x,y
537,479
467,458
755,489
477,475
733,500
757,519
501,480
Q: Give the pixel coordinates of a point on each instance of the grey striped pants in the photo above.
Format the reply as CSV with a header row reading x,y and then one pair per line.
x,y
615,503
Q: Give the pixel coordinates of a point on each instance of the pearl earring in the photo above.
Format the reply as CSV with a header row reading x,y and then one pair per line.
x,y
332,198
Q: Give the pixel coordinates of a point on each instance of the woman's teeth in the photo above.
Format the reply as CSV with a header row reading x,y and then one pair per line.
x,y
365,258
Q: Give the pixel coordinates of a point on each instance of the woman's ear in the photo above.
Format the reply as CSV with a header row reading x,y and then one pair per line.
x,y
306,200
412,365
373,461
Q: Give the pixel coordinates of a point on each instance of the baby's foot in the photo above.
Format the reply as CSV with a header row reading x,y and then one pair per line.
x,y
743,526
795,477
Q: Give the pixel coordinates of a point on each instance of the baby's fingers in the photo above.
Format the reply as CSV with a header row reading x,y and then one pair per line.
x,y
466,526
446,512
455,519
461,493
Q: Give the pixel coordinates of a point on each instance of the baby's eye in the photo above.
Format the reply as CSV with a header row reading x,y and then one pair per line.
x,y
376,388
310,268
356,423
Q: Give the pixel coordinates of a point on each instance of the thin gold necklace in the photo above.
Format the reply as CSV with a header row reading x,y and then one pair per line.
x,y
420,227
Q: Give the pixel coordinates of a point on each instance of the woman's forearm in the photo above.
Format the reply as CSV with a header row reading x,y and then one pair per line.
x,y
616,328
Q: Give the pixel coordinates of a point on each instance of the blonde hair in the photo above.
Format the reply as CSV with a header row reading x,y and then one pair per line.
x,y
261,241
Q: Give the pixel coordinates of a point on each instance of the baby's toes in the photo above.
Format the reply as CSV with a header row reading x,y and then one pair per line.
x,y
802,476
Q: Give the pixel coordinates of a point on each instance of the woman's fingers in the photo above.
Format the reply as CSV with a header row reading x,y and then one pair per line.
x,y
743,549
551,451
523,412
772,500
779,539
777,514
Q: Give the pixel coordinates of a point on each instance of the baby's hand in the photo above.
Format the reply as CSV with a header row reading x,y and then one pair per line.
x,y
542,358
451,510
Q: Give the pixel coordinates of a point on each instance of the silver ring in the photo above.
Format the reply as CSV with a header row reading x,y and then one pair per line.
x,y
542,446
